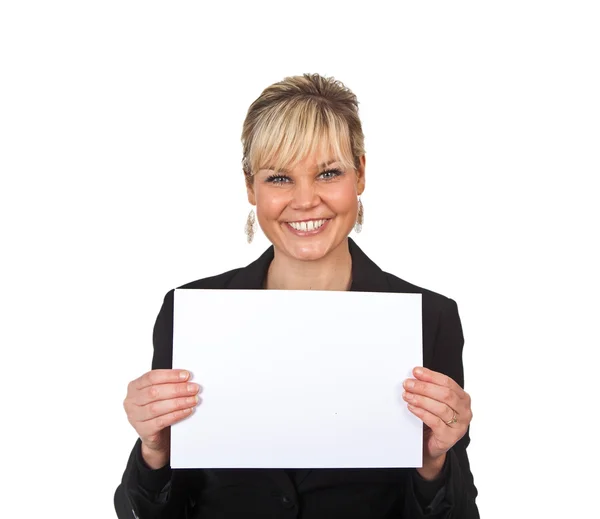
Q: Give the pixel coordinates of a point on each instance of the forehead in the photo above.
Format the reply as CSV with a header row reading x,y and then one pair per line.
x,y
322,154
308,163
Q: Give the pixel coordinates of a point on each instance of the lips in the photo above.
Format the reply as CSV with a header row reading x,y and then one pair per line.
x,y
308,227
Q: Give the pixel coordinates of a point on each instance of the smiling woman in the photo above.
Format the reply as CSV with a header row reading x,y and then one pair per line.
x,y
304,168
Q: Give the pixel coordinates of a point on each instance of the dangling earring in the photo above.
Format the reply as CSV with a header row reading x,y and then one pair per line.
x,y
250,226
360,217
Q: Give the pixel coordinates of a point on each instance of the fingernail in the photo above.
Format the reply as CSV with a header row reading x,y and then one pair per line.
x,y
192,387
408,396
409,384
418,371
183,375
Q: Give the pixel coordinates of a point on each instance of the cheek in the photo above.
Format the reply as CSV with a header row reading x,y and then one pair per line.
x,y
270,204
344,199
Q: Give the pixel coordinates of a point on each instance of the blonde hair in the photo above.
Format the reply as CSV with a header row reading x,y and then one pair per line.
x,y
298,116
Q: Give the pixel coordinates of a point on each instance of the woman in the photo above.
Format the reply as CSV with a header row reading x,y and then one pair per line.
x,y
304,165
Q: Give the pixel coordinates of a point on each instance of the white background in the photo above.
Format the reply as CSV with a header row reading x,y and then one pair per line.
x,y
120,162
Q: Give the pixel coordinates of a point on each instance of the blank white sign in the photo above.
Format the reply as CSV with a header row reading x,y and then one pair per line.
x,y
297,379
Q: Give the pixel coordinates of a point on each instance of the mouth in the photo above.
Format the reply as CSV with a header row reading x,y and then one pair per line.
x,y
307,227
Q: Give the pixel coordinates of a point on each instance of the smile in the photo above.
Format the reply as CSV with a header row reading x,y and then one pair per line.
x,y
310,225
307,227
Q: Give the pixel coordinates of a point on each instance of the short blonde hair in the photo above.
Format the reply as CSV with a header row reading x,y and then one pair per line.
x,y
298,116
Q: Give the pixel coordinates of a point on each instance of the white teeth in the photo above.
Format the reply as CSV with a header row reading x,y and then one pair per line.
x,y
311,225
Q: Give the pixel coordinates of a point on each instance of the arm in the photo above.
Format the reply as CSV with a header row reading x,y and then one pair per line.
x,y
455,493
144,492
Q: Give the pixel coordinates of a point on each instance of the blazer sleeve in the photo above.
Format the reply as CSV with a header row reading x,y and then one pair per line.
x,y
456,499
156,494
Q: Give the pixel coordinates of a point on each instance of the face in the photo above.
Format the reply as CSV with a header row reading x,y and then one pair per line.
x,y
308,211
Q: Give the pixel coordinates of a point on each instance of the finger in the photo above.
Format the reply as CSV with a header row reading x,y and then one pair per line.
x,y
160,408
428,375
166,392
160,422
435,423
442,411
440,393
160,376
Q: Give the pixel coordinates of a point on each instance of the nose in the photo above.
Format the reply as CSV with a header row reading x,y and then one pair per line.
x,y
305,196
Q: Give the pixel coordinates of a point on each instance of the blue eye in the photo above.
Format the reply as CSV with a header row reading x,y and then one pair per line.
x,y
330,174
277,179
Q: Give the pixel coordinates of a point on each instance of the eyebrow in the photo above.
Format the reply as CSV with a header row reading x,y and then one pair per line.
x,y
283,170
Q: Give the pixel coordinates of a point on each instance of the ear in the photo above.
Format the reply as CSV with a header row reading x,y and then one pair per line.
x,y
360,176
250,190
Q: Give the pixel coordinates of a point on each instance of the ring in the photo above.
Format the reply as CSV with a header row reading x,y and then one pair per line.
x,y
453,419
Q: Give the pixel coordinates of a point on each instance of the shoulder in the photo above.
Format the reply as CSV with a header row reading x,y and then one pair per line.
x,y
247,277
217,281
163,327
431,299
372,278
213,282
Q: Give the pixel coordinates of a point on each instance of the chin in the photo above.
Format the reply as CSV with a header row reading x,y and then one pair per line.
x,y
308,248
311,250
307,253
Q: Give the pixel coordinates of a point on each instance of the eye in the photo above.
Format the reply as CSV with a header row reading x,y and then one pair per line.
x,y
330,174
278,179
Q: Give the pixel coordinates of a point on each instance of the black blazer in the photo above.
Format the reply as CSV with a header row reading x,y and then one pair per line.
x,y
318,493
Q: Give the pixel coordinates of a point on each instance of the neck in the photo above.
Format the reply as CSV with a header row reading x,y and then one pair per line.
x,y
332,272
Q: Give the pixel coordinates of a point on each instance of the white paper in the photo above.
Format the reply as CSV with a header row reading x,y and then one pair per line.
x,y
297,379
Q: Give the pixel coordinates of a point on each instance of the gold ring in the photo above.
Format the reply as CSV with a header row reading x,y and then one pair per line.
x,y
453,419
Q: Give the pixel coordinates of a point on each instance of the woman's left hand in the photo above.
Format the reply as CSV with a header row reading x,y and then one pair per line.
x,y
445,409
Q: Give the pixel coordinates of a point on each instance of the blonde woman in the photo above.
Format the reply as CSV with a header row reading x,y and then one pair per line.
x,y
304,168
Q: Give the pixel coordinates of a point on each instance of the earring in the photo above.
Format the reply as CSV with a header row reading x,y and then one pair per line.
x,y
360,217
250,228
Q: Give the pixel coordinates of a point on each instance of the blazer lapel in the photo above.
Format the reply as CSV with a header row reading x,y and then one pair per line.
x,y
253,276
366,275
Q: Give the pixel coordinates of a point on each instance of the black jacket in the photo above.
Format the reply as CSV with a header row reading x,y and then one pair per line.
x,y
317,493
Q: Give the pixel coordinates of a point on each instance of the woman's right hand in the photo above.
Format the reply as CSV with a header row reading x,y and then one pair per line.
x,y
155,401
